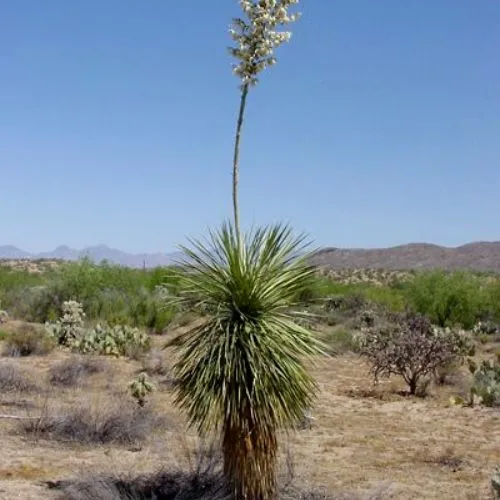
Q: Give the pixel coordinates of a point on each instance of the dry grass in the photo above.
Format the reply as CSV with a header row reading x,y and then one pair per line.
x,y
155,364
363,436
13,379
203,480
74,371
181,485
120,424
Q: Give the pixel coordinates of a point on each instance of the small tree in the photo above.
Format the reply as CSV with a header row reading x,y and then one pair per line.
x,y
448,298
413,349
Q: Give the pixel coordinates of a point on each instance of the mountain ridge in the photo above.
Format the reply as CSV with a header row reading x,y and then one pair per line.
x,y
474,256
481,256
97,253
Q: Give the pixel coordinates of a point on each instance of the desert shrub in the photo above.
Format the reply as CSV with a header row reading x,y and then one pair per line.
x,y
347,304
486,328
28,340
108,293
203,480
149,310
389,296
448,299
483,338
13,282
118,424
164,485
119,340
350,296
4,335
493,299
176,485
413,349
155,364
445,373
486,382
38,304
72,372
12,379
340,340
69,327
4,316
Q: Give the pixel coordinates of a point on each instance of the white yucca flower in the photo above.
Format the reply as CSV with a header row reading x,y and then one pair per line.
x,y
257,36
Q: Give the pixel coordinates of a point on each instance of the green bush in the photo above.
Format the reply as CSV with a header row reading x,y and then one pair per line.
x,y
108,293
448,299
493,299
28,340
123,296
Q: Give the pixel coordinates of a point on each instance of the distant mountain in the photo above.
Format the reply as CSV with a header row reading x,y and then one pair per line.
x,y
11,252
95,253
478,256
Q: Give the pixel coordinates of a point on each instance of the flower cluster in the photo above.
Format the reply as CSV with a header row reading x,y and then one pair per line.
x,y
257,36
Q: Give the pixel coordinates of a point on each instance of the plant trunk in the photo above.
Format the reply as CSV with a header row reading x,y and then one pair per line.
x,y
413,386
236,160
250,462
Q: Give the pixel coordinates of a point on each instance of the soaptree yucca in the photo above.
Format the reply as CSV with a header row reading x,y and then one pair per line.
x,y
240,370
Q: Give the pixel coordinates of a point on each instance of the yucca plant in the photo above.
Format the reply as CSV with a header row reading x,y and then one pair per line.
x,y
241,369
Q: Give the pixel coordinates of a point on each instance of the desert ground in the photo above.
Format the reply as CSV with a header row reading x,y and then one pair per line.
x,y
365,441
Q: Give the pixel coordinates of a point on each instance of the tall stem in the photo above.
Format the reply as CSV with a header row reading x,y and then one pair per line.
x,y
236,161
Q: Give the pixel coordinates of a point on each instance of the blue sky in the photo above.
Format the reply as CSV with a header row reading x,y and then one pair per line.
x,y
380,124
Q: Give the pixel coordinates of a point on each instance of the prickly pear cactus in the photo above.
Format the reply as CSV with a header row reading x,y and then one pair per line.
x,y
487,383
112,341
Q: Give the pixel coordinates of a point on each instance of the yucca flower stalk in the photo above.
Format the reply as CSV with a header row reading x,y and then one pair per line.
x,y
241,369
256,37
